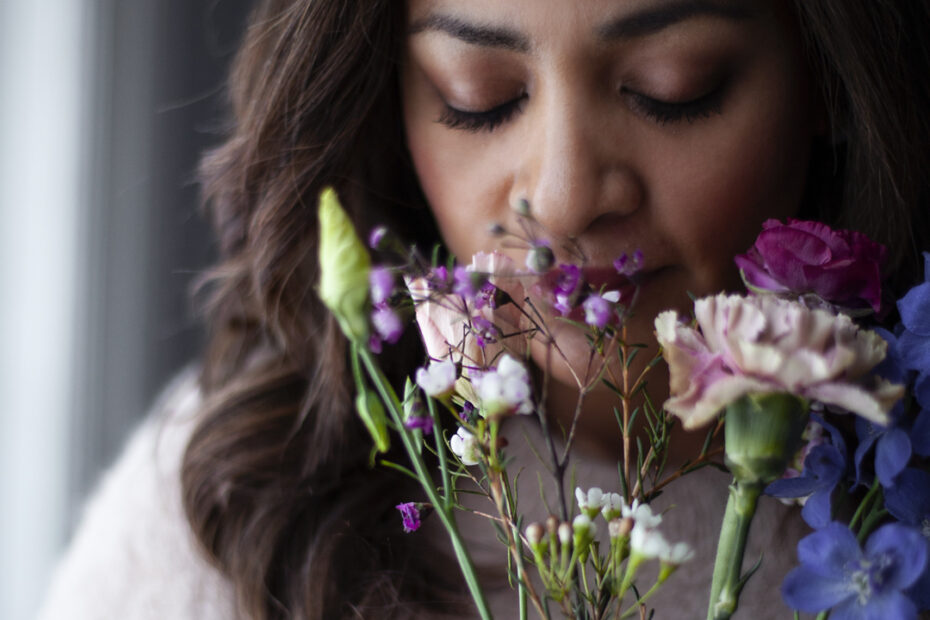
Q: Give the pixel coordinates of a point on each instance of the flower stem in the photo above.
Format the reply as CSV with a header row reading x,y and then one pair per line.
x,y
445,514
741,507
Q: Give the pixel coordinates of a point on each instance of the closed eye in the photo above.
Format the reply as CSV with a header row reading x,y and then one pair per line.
x,y
484,120
663,112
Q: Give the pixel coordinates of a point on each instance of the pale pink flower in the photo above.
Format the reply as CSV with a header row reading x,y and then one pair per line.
x,y
444,319
747,345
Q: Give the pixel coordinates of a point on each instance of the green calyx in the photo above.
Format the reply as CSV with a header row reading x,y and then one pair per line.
x,y
763,432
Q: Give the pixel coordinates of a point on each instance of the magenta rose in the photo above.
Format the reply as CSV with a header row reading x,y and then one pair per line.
x,y
800,258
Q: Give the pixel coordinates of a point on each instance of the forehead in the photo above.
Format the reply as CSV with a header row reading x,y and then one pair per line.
x,y
526,25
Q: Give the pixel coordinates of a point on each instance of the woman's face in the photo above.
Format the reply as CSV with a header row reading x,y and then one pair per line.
x,y
670,126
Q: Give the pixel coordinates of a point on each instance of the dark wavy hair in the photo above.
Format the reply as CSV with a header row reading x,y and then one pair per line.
x,y
276,479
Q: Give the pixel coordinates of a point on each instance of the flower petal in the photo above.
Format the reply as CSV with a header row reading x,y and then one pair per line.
x,y
908,548
829,549
886,606
909,499
807,590
892,452
856,399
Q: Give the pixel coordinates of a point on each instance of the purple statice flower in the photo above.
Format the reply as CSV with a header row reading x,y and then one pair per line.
x,y
629,265
387,324
486,296
410,514
463,283
567,286
596,311
381,280
469,413
824,468
376,237
438,279
836,574
484,330
914,336
421,423
802,258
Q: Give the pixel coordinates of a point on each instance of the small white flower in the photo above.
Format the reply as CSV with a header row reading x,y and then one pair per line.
x,y
565,533
612,296
505,389
438,379
648,542
466,447
642,514
676,554
584,526
590,503
613,506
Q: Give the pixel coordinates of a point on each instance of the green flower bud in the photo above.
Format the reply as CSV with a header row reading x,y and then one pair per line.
x,y
540,259
370,409
763,432
344,267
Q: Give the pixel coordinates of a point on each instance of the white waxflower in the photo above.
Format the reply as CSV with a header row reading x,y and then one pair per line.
x,y
565,533
648,542
585,530
678,553
438,379
612,506
590,503
506,389
642,514
466,447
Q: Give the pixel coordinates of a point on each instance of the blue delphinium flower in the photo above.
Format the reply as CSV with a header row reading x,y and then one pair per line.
x,y
892,446
909,501
836,574
914,339
824,468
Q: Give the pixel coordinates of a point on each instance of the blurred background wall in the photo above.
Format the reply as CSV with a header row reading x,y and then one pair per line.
x,y
104,108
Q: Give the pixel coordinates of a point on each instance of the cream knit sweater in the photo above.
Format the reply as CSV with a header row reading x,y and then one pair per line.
x,y
133,556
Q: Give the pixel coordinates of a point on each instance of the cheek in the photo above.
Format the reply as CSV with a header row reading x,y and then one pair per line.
x,y
463,176
720,188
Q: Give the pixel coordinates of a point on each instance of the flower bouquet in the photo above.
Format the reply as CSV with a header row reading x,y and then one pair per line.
x,y
783,377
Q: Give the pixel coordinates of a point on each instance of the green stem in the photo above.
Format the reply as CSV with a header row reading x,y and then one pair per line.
x,y
864,504
458,545
635,606
441,453
724,590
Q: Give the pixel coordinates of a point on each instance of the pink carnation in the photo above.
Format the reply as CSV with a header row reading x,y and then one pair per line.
x,y
747,345
801,258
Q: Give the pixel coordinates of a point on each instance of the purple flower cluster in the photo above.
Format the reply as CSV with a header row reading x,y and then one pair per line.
x,y
890,576
387,324
410,515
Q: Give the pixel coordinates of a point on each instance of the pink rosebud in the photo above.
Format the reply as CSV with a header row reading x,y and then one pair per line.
x,y
759,345
801,258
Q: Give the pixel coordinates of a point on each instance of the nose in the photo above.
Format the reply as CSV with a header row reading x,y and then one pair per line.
x,y
574,171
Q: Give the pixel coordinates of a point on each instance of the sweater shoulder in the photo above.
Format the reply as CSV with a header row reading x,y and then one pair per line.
x,y
133,554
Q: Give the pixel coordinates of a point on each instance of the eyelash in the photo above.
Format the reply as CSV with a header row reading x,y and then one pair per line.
x,y
660,112
486,120
664,112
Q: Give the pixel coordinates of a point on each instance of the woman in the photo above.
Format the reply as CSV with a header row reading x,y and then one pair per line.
x,y
673,126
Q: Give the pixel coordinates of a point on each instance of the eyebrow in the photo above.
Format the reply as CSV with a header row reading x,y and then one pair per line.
x,y
653,19
475,34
